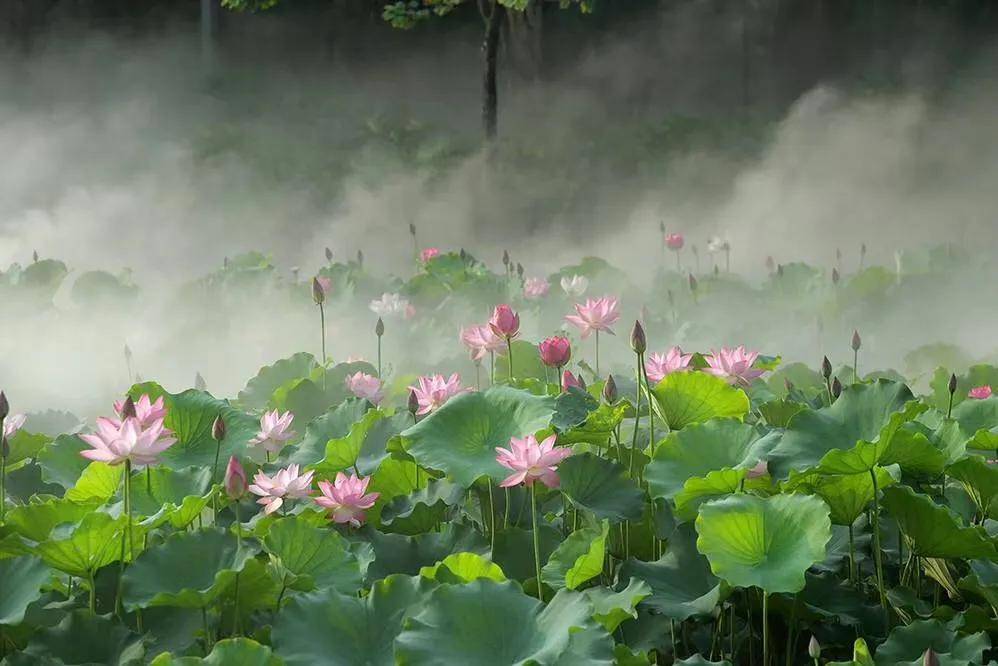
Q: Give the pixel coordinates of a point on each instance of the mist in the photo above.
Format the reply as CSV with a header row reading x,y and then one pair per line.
x,y
127,151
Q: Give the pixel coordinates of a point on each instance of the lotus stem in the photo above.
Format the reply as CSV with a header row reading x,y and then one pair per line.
x,y
492,368
235,608
492,515
597,353
876,541
322,331
478,377
207,633
93,592
537,540
855,366
379,357
509,352
852,557
3,485
765,629
505,517
637,423
126,536
679,267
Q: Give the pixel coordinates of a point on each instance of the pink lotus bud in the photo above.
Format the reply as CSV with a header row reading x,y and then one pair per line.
x,y
568,380
235,479
218,429
639,343
610,390
826,368
555,351
428,253
980,392
318,293
857,342
674,242
505,322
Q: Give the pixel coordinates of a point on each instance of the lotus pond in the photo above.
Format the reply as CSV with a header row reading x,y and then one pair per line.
x,y
564,484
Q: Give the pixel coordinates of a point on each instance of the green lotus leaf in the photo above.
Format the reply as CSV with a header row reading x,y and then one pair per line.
x,y
514,550
698,490
578,559
830,599
463,568
175,495
52,422
908,642
228,652
764,542
935,531
611,608
980,481
681,581
527,362
572,409
98,483
700,660
685,398
982,580
190,415
598,427
979,418
600,486
624,656
61,461
21,580
259,391
163,575
976,375
779,412
308,557
326,627
495,624
84,638
333,425
374,449
460,438
24,445
83,548
850,430
342,453
847,495
422,510
397,554
36,519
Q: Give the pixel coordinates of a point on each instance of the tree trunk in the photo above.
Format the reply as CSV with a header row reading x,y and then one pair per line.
x,y
490,50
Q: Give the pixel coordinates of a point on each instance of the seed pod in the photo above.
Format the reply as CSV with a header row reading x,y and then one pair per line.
x,y
836,388
4,405
952,384
379,328
318,294
413,403
639,343
857,342
826,368
218,429
329,254
127,408
814,648
610,390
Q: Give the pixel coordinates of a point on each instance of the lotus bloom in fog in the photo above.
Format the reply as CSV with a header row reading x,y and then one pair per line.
x,y
146,411
980,392
325,284
115,442
480,340
287,484
13,424
555,351
365,386
596,314
674,242
735,365
346,499
275,431
659,365
574,286
391,305
534,288
532,461
505,322
433,391
429,253
568,380
235,480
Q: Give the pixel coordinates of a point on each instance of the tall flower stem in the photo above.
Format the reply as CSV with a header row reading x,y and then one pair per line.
x,y
214,478
597,353
855,366
3,474
93,592
876,541
322,331
126,536
505,517
492,524
509,352
379,357
236,628
765,629
478,376
537,540
492,368
637,423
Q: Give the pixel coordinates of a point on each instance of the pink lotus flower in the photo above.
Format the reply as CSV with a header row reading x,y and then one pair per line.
x,y
505,322
534,288
480,340
555,351
390,305
146,411
433,391
674,242
365,386
325,283
568,380
733,364
597,314
980,392
274,431
659,365
287,484
531,461
235,479
12,424
574,286
428,253
115,442
760,469
345,498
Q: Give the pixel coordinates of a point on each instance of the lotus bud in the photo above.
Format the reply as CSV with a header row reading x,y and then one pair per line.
x,y
519,270
857,342
779,270
413,403
4,406
770,264
463,255
225,262
329,254
826,368
610,390
360,257
235,479
835,276
505,258
814,648
639,343
412,229
952,384
318,294
693,283
218,429
930,658
127,408
34,257
379,328
199,382
836,388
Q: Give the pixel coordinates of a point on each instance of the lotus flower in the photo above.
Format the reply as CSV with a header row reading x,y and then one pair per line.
x,y
325,283
433,391
12,424
365,386
287,484
733,364
505,322
428,253
115,442
574,286
659,365
345,498
146,411
235,479
531,461
274,431
568,380
715,244
760,469
534,288
597,314
555,351
674,242
389,305
978,393
480,340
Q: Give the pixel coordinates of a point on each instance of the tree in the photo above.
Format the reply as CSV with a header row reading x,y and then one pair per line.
x,y
406,14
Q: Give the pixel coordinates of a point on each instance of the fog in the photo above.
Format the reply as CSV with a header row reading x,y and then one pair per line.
x,y
130,152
